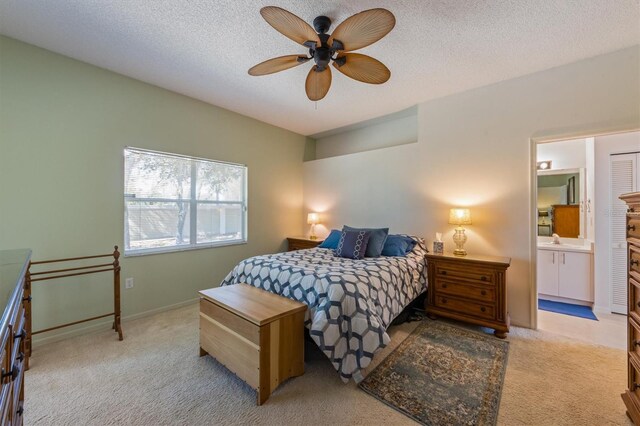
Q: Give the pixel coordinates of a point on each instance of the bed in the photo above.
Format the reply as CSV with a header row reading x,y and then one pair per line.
x,y
351,302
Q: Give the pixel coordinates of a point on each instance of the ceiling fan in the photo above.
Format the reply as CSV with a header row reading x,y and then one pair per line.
x,y
356,32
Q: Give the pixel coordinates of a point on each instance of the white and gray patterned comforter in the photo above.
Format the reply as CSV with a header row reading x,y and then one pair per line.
x,y
351,302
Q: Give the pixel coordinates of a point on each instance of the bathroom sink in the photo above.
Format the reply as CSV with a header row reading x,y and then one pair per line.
x,y
564,245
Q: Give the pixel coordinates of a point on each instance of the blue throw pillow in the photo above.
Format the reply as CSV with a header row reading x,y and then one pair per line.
x,y
398,245
376,240
331,242
353,244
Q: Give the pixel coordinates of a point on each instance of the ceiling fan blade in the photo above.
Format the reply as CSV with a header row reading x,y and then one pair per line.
x,y
318,83
362,68
289,25
280,63
363,29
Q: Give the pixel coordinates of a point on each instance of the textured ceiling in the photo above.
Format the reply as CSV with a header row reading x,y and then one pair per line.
x,y
203,49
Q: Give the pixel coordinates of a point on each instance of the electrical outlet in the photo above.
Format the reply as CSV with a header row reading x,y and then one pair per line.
x,y
128,283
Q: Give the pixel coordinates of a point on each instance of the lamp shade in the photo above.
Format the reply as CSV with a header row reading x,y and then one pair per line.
x,y
313,219
460,217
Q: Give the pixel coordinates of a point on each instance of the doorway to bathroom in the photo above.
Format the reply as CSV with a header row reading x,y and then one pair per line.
x,y
580,284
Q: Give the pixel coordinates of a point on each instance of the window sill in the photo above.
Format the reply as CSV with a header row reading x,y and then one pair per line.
x,y
165,250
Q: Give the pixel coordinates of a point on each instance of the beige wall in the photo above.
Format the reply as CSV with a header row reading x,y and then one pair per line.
x,y
474,149
564,155
63,127
397,129
368,189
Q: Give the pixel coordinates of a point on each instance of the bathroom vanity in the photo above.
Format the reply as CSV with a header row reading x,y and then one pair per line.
x,y
565,271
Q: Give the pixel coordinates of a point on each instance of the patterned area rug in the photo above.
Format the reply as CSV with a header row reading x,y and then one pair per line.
x,y
443,375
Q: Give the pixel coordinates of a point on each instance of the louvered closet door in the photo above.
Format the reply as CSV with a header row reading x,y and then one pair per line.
x,y
624,179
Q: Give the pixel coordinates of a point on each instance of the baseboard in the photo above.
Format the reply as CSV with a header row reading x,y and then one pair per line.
x,y
602,309
104,325
161,309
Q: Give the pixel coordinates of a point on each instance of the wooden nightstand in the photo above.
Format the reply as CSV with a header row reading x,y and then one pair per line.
x,y
470,288
300,243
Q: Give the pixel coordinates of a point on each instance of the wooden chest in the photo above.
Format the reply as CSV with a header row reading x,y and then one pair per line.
x,y
469,288
631,396
256,334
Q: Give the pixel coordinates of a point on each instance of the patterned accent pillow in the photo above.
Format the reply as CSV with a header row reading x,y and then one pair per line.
x,y
353,244
376,240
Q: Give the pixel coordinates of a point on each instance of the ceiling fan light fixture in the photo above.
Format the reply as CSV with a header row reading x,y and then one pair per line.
x,y
322,24
356,32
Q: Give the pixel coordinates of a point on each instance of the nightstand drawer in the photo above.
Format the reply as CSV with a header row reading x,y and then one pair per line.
x,y
449,287
465,307
301,243
469,273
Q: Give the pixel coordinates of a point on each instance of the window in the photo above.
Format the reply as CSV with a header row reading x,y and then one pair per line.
x,y
173,202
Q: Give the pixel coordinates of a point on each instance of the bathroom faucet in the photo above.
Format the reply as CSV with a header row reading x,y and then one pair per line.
x,y
556,239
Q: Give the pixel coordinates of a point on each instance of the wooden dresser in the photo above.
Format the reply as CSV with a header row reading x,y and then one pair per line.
x,y
631,396
470,288
301,243
13,267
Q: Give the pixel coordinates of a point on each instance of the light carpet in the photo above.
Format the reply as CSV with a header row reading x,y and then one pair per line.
x,y
155,377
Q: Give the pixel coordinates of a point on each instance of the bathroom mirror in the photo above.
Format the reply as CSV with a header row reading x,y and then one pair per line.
x,y
561,203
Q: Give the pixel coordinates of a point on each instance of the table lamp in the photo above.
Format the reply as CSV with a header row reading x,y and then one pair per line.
x,y
313,219
460,217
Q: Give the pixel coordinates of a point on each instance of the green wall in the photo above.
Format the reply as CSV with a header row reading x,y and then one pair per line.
x,y
63,127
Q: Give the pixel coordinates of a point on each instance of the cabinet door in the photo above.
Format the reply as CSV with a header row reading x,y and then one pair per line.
x,y
574,276
547,272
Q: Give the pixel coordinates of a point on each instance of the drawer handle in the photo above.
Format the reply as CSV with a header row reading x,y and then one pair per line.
x,y
20,410
631,227
443,272
483,293
444,286
636,342
483,278
13,373
444,300
19,335
635,386
634,262
26,299
483,309
20,356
